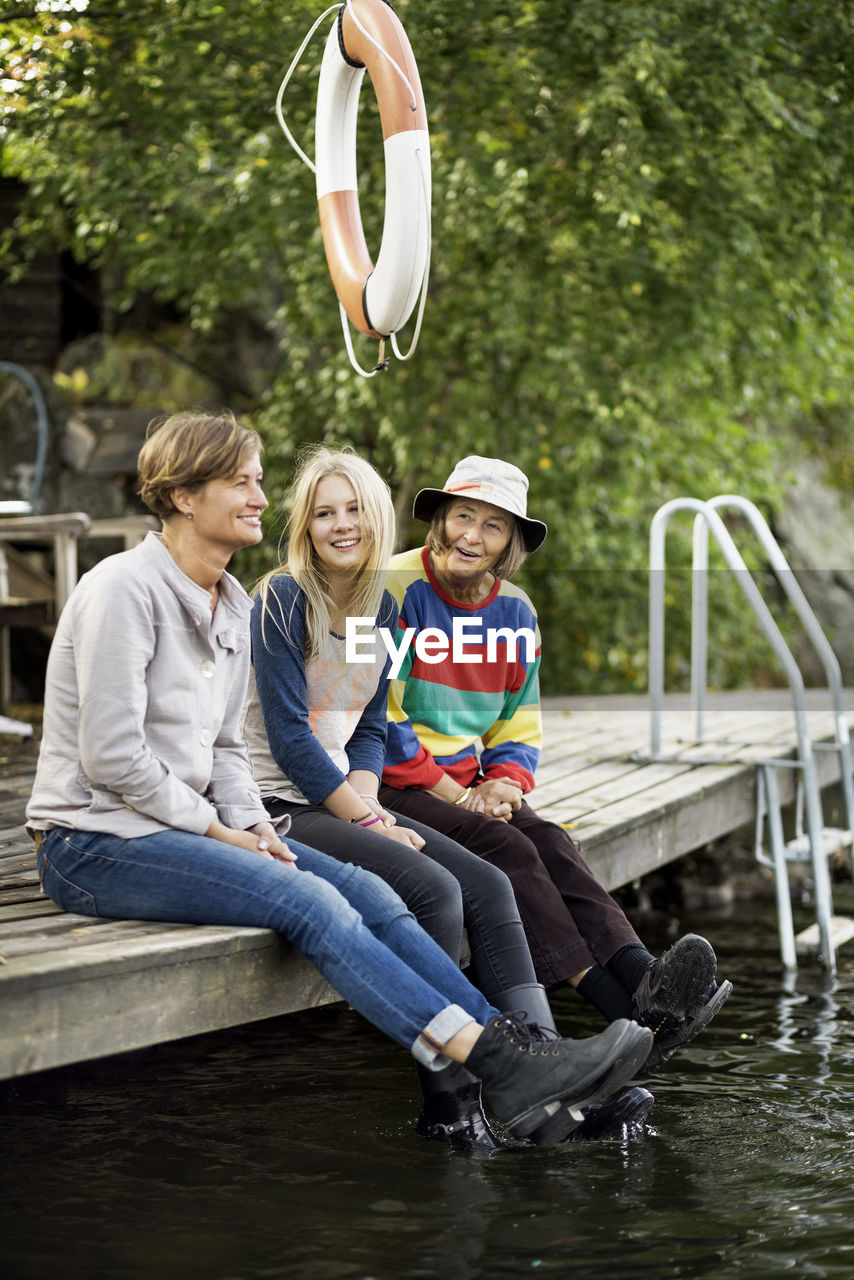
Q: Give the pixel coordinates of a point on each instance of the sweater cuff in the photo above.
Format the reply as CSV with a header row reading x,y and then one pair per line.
x,y
420,774
507,769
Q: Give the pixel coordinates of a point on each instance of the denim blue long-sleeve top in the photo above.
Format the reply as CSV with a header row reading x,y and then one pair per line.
x,y
310,723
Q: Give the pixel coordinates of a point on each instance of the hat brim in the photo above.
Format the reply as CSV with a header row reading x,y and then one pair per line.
x,y
428,501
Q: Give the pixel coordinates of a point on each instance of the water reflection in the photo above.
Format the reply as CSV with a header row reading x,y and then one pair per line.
x,y
809,1016
286,1150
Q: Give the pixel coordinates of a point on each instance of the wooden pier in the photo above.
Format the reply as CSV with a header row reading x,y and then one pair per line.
x,y
74,988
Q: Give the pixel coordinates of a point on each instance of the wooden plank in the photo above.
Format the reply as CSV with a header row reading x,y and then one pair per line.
x,y
131,529
616,773
25,884
16,864
10,808
17,845
15,893
26,910
55,930
633,838
19,784
703,780
89,948
37,528
636,836
808,942
117,1009
21,849
640,782
74,940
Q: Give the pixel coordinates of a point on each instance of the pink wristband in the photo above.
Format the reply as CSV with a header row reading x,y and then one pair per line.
x,y
369,822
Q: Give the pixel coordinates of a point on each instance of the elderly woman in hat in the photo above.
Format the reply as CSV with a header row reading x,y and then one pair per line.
x,y
464,738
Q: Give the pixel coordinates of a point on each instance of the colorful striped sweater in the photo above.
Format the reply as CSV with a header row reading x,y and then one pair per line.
x,y
440,712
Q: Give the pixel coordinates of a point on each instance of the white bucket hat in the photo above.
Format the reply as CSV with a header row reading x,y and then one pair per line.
x,y
488,480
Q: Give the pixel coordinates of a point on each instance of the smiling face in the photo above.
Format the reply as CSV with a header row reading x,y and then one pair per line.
x,y
338,530
226,511
476,535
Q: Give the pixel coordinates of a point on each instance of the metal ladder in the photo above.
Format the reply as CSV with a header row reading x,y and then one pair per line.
x,y
813,841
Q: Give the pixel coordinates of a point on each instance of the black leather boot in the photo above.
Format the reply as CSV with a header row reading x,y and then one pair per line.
x,y
612,1117
452,1111
537,1088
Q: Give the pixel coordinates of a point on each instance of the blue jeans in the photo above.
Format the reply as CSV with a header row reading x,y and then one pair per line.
x,y
347,921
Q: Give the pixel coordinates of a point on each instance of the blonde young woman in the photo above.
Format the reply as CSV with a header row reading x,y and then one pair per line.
x,y
144,805
316,728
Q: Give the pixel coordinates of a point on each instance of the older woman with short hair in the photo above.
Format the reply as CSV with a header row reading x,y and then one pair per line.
x,y
465,732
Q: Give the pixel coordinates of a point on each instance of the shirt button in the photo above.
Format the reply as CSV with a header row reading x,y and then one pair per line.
x,y
205,737
208,669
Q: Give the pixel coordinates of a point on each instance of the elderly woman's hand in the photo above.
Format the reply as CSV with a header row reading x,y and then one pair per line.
x,y
495,798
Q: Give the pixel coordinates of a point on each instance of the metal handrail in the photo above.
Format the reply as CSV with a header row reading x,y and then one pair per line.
x,y
787,580
735,562
42,428
706,512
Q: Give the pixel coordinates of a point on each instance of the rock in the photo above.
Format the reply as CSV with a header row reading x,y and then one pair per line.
x,y
78,443
815,528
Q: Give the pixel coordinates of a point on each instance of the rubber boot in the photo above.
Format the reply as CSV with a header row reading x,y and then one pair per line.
x,y
538,1088
532,1004
452,1111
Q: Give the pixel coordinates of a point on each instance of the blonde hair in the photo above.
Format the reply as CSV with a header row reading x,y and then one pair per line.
x,y
509,562
298,557
187,450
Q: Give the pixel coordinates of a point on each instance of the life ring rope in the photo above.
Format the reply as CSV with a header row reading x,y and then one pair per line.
x,y
424,180
307,161
333,8
382,363
422,301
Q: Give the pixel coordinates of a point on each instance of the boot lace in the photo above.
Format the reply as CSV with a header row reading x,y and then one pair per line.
x,y
529,1035
536,1032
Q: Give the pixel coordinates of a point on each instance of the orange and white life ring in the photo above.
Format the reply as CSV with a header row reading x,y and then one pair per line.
x,y
377,299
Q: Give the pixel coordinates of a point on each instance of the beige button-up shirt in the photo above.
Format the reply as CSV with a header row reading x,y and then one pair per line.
x,y
143,698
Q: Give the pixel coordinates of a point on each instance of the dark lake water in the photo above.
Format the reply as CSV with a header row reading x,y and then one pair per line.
x,y
286,1149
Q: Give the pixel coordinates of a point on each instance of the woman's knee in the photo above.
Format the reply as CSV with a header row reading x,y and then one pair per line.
x,y
509,849
482,882
553,845
434,896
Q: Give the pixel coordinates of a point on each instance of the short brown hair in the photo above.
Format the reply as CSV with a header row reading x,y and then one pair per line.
x,y
187,450
509,562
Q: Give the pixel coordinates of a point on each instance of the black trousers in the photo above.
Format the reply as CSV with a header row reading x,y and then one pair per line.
x,y
570,921
445,887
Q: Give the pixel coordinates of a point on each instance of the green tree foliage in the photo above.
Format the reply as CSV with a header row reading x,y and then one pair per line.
x,y
639,220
